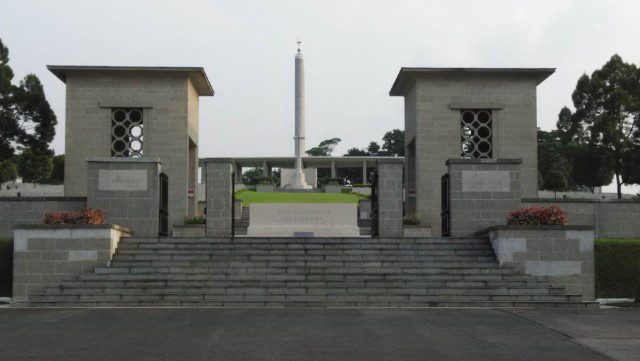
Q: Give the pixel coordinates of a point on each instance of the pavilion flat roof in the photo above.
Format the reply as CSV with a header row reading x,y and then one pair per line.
x,y
406,75
289,161
196,74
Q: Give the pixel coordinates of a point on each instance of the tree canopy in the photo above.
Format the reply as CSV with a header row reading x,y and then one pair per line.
x,y
27,122
325,148
606,118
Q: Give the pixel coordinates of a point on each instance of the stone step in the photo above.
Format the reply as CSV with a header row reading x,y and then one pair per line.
x,y
417,300
199,284
277,261
198,264
317,297
308,252
263,240
328,304
324,247
420,274
507,280
309,268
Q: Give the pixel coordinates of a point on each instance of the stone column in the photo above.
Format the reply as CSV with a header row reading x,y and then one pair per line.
x,y
127,190
334,173
265,169
390,197
219,197
364,172
238,173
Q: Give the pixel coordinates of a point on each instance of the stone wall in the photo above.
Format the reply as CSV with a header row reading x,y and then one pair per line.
x,y
390,197
219,197
31,210
128,192
482,193
563,254
610,218
44,255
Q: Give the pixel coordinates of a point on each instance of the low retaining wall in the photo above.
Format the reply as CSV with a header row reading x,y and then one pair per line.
x,y
31,210
189,230
609,218
45,255
562,253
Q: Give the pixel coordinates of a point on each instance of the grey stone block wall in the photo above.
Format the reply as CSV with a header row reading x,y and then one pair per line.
x,y
45,255
219,197
31,210
563,254
482,204
390,197
610,218
137,210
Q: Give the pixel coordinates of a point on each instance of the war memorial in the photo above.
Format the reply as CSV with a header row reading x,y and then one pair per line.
x,y
132,140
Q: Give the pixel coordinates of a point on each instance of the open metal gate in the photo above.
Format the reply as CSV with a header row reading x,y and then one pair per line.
x,y
164,206
374,203
445,215
233,204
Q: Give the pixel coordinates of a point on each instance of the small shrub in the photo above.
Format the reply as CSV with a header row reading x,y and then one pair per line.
x,y
360,185
538,216
265,180
333,181
617,266
86,216
195,220
411,219
346,190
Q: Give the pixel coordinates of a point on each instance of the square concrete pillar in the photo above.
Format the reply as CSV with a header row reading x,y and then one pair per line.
x,y
390,197
219,197
482,193
127,190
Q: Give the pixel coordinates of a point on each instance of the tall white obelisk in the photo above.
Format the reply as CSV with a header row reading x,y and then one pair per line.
x,y
299,181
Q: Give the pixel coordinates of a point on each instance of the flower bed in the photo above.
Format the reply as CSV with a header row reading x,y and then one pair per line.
x,y
86,216
538,216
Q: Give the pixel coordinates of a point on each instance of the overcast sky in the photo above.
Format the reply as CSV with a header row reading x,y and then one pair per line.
x,y
353,51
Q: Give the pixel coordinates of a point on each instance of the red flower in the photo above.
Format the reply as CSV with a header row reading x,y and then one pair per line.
x,y
537,216
86,216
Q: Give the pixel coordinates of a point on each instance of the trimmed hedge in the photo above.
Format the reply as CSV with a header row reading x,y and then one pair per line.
x,y
6,266
617,268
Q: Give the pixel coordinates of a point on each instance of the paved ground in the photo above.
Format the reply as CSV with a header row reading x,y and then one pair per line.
x,y
318,334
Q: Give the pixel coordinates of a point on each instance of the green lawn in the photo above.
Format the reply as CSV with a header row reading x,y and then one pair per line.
x,y
249,197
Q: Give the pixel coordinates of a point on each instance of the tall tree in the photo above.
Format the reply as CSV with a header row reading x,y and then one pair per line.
x,y
393,143
8,130
27,122
607,115
325,148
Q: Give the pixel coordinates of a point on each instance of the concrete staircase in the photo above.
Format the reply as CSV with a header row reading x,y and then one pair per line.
x,y
315,272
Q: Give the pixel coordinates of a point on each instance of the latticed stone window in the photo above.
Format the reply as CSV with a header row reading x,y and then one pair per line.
x,y
476,133
126,132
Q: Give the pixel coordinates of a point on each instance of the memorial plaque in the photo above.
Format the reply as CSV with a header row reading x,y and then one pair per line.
x,y
485,181
303,220
122,180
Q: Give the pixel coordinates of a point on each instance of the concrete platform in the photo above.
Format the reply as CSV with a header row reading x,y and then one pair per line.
x,y
319,334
